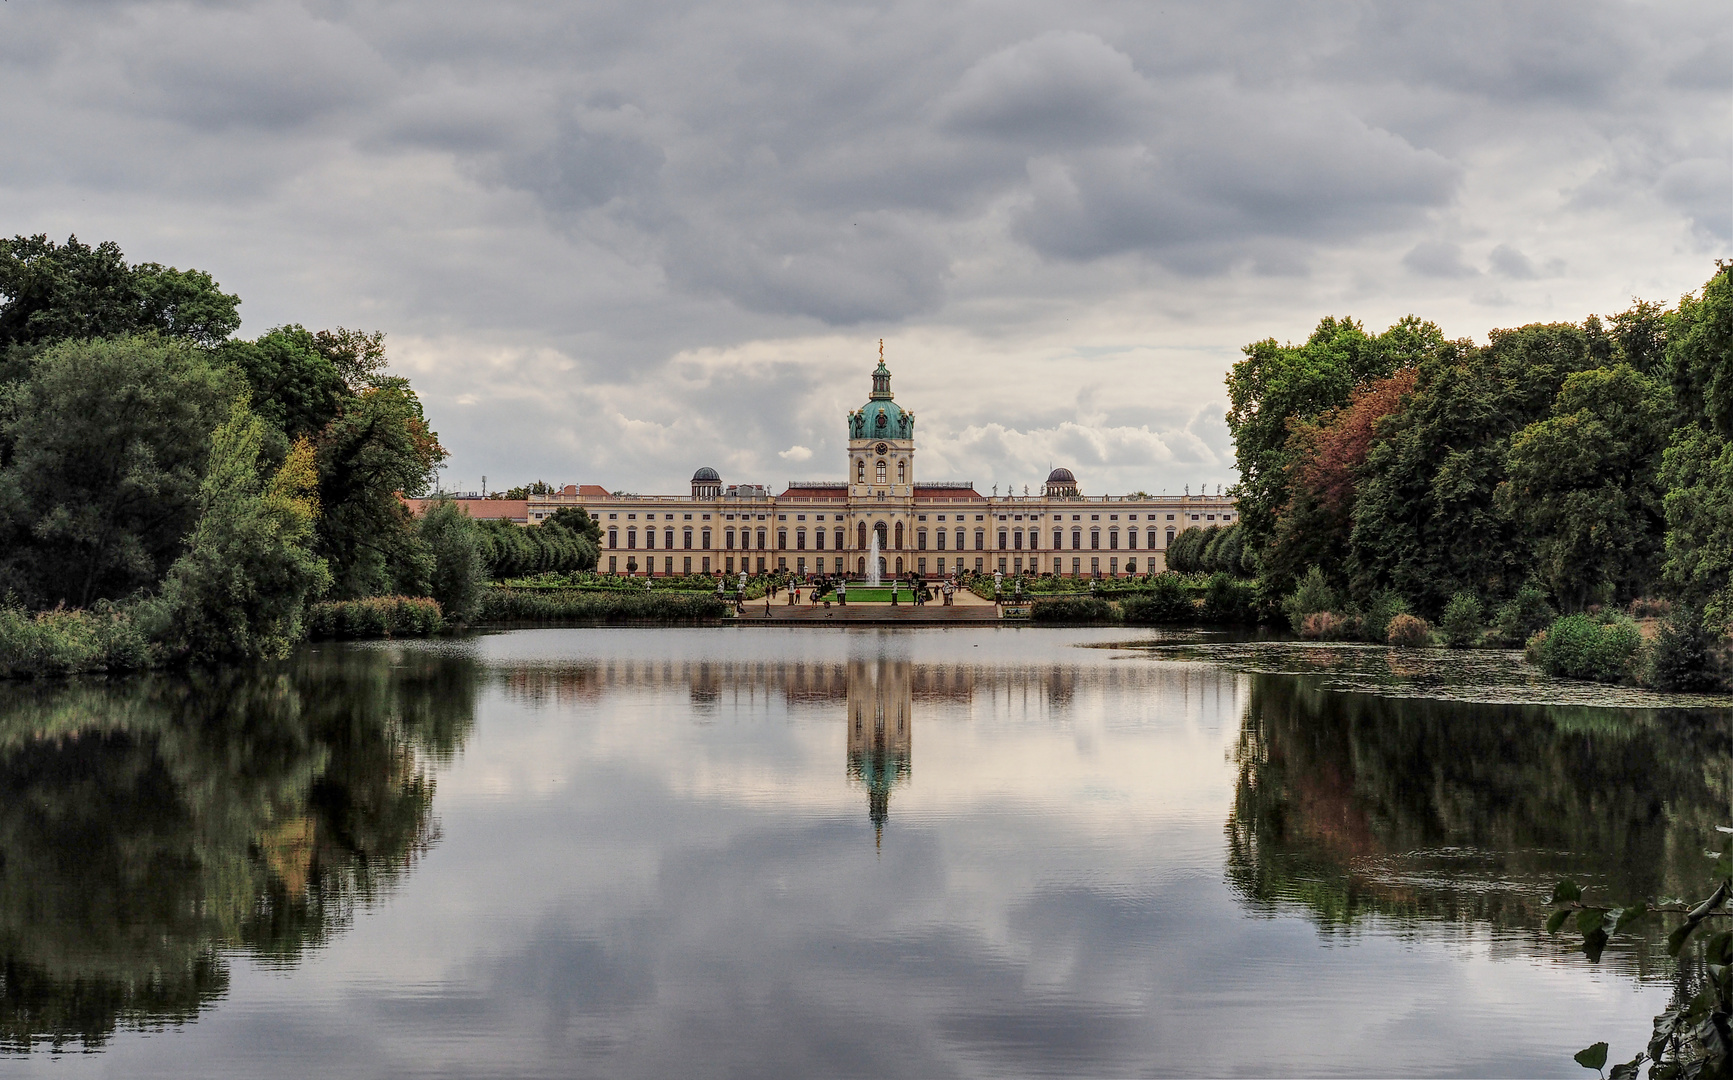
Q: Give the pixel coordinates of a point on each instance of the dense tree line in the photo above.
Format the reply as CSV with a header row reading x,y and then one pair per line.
x,y
1215,549
212,486
1590,460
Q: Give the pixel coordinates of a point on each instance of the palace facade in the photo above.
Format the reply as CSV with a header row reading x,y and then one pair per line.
x,y
932,528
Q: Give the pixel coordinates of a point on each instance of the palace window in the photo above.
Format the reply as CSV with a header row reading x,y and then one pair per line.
x,y
761,539
818,539
650,538
901,472
860,472
920,539
880,472
839,541
686,540
728,539
800,539
1152,539
860,536
1002,540
782,539
941,539
613,538
1058,539
1095,539
707,541
1113,540
899,536
1170,535
960,544
1131,538
980,540
631,538
1076,539
668,539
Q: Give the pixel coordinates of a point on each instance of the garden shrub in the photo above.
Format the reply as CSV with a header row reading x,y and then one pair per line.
x,y
1165,601
1408,632
1682,656
1580,647
1324,626
1385,605
1460,625
499,605
1227,599
375,617
61,642
1521,617
1312,594
1073,610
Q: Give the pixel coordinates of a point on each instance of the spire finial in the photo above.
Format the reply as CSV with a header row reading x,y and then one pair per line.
x,y
881,350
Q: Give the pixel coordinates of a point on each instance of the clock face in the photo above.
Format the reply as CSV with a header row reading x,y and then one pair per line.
x,y
882,448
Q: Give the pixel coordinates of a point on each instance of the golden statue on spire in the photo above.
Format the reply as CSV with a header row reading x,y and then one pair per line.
x,y
881,350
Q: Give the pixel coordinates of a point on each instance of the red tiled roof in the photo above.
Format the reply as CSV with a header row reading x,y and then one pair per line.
x,y
815,493
593,491
482,509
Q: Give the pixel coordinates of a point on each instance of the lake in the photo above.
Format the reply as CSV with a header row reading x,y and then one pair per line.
x,y
797,852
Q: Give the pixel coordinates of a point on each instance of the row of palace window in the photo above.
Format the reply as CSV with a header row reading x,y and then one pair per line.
x,y
879,472
890,539
888,564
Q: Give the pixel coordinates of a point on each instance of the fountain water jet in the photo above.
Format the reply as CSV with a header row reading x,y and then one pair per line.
x,y
873,561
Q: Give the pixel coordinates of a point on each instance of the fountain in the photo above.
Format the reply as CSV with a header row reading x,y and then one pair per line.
x,y
873,561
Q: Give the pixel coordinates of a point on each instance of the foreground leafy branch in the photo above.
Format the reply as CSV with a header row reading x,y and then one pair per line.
x,y
1693,1037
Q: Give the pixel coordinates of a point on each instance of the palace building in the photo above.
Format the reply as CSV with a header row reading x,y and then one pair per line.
x,y
932,528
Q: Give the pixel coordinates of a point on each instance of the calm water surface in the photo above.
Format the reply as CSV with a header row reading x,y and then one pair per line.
x,y
803,853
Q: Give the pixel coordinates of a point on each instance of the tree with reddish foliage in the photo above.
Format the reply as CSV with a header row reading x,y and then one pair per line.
x,y
1326,455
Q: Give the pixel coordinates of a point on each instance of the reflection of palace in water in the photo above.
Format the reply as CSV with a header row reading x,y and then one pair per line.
x,y
880,725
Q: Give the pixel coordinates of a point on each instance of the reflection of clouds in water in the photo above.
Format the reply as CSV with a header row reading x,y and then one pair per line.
x,y
653,865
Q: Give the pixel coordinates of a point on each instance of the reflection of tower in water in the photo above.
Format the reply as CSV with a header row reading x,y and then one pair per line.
x,y
880,724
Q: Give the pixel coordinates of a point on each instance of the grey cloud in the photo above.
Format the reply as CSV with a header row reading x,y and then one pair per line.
x,y
1438,259
269,66
1508,261
1700,188
596,189
1236,170
1057,89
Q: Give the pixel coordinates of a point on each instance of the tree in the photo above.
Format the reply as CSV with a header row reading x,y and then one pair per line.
x,y
57,292
378,451
240,591
357,356
459,564
1583,485
295,386
102,447
1326,456
1425,523
1697,467
578,520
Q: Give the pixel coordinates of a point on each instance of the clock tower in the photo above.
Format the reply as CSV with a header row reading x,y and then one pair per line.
x,y
881,444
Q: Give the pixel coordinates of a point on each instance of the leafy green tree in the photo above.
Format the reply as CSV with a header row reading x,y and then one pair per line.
x,y
102,448
1425,523
1278,386
459,565
1583,485
242,588
578,520
56,292
377,452
295,386
1697,467
1460,624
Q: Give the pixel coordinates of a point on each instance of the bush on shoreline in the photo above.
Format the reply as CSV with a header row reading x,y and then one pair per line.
x,y
608,607
375,617
1582,647
1073,610
62,642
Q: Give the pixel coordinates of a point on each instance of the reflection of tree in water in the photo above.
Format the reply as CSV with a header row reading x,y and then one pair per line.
x,y
1353,803
147,825
880,729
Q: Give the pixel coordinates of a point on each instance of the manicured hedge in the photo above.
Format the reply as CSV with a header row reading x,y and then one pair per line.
x,y
1073,610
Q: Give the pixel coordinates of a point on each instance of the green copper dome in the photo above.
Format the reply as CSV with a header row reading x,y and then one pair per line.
x,y
881,417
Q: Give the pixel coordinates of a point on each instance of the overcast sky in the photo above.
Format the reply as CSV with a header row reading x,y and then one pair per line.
x,y
613,241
